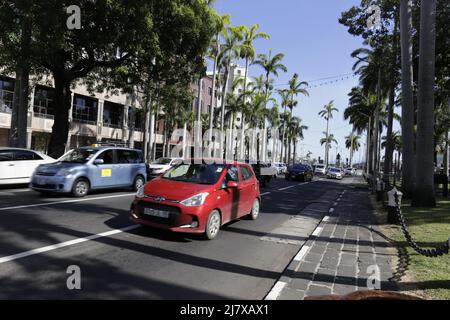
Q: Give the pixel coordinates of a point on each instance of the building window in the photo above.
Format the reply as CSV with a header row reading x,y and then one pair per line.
x,y
210,91
84,109
239,72
44,106
112,115
6,95
138,118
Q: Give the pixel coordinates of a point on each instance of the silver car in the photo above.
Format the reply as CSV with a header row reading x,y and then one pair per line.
x,y
88,168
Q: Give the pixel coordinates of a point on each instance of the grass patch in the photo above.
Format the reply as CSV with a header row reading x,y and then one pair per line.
x,y
428,226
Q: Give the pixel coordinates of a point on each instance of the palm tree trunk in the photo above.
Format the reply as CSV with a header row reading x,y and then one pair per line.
x,y
241,151
389,144
222,121
327,145
213,93
408,161
284,135
424,188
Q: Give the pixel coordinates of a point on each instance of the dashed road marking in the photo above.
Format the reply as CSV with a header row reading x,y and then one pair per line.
x,y
65,201
301,254
65,244
317,232
276,290
331,210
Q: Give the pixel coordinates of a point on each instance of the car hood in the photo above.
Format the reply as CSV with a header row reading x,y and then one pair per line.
x,y
159,166
56,166
174,190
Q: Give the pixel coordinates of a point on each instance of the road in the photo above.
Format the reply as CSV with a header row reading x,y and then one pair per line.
x,y
41,236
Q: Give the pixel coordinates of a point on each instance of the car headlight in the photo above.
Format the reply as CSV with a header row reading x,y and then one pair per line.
x,y
196,200
140,193
63,172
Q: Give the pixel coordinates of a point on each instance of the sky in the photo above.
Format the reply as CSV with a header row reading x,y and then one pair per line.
x,y
315,46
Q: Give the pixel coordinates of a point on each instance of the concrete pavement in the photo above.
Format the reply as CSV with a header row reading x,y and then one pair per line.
x,y
345,253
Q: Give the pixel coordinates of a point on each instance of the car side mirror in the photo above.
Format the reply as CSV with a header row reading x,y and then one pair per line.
x,y
232,184
99,161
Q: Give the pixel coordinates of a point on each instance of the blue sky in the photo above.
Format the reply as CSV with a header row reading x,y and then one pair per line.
x,y
316,46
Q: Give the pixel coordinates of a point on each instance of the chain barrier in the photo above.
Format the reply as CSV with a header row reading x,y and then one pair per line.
x,y
432,253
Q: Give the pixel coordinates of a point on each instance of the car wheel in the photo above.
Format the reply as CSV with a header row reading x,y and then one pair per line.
x,y
138,183
255,210
212,225
80,188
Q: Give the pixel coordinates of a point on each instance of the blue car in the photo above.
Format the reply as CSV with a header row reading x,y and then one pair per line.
x,y
88,168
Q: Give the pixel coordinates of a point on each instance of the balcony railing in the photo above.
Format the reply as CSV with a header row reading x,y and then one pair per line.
x,y
44,116
113,126
4,108
93,123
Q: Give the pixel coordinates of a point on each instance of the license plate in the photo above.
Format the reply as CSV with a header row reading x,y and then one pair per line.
x,y
156,213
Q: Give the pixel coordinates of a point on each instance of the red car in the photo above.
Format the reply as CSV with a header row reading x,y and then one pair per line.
x,y
198,198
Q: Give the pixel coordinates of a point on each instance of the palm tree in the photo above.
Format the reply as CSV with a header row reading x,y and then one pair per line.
x,y
424,187
408,161
295,133
285,101
273,117
214,53
248,54
271,65
327,114
327,140
352,143
230,50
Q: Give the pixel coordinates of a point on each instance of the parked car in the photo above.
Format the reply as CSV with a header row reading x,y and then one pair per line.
x,y
303,172
320,169
198,198
161,165
281,167
335,173
87,168
17,165
349,171
264,172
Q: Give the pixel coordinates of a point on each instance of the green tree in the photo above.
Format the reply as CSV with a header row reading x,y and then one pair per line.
x,y
353,144
327,114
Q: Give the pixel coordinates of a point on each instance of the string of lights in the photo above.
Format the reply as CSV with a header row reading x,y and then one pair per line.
x,y
330,80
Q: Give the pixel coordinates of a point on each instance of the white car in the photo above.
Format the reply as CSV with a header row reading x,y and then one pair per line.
x,y
335,173
161,165
281,167
349,171
320,169
17,165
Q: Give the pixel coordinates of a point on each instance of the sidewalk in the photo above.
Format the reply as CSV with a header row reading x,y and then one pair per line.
x,y
342,254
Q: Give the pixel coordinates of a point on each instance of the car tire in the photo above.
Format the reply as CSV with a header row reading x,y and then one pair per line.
x,y
213,225
80,188
254,214
139,182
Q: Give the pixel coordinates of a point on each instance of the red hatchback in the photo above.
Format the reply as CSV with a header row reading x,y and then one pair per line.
x,y
198,198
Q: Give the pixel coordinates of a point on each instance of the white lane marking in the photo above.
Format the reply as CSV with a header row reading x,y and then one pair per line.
x,y
276,290
301,254
302,183
64,244
65,201
326,218
265,193
335,204
317,232
9,191
285,188
331,210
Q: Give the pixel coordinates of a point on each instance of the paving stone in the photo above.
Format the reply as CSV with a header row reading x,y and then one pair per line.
x,y
308,267
299,284
313,257
343,289
346,271
291,294
317,291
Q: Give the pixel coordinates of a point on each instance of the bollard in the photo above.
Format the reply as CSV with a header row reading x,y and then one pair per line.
x,y
392,205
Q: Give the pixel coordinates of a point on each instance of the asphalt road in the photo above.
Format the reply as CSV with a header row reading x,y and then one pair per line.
x,y
41,236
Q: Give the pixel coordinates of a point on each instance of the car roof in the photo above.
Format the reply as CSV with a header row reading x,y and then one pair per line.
x,y
216,161
107,147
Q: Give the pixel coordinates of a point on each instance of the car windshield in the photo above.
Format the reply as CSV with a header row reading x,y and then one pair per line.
x,y
334,170
162,161
320,167
195,173
299,167
79,156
